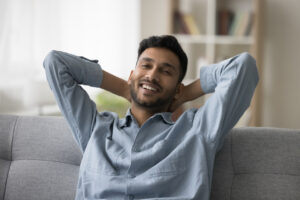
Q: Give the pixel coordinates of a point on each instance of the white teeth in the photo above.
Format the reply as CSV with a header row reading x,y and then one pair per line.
x,y
149,88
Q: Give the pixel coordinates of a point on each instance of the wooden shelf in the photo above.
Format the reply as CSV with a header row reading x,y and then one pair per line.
x,y
211,46
212,39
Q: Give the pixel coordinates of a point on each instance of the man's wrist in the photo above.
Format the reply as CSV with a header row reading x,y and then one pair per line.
x,y
126,91
193,90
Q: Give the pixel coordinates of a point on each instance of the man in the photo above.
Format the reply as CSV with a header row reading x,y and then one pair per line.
x,y
147,155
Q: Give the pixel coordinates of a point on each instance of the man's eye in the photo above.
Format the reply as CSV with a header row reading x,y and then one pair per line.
x,y
146,66
167,72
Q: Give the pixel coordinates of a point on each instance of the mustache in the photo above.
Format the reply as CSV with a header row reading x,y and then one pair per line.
x,y
153,82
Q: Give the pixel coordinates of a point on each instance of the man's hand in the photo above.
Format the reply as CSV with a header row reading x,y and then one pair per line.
x,y
187,93
179,99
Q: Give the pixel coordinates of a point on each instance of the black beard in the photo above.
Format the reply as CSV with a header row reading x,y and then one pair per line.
x,y
159,103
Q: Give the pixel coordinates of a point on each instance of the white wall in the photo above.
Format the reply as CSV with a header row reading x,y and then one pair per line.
x,y
155,17
97,29
281,69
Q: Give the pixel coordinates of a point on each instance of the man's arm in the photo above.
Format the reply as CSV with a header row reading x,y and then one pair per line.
x,y
65,72
115,85
232,82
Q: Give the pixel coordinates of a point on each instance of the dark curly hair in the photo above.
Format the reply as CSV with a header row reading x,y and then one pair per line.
x,y
169,42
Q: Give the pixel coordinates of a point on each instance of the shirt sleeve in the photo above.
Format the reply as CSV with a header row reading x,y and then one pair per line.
x,y
65,72
233,82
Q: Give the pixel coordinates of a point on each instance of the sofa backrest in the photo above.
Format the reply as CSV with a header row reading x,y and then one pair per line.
x,y
258,164
39,160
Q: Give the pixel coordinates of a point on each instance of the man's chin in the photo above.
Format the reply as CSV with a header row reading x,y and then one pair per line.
x,y
147,104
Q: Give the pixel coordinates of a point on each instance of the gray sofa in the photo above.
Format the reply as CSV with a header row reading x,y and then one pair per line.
x,y
39,160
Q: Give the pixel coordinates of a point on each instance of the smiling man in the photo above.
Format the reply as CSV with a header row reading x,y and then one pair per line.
x,y
147,155
155,82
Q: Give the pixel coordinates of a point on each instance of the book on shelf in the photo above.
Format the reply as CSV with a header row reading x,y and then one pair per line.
x,y
179,24
242,27
224,21
191,24
234,23
249,28
185,23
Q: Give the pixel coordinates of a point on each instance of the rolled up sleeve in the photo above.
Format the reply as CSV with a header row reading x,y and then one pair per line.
x,y
232,83
65,72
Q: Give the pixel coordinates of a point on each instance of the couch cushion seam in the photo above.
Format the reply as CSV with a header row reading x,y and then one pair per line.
x,y
255,173
11,157
6,180
54,161
13,137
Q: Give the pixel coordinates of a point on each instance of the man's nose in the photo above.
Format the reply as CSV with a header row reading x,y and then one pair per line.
x,y
153,74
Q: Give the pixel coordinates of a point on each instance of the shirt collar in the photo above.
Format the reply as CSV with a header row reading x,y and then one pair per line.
x,y
165,116
125,122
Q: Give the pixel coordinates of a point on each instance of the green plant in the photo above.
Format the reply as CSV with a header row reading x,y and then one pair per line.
x,y
107,101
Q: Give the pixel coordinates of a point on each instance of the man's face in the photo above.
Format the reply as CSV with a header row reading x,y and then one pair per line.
x,y
154,82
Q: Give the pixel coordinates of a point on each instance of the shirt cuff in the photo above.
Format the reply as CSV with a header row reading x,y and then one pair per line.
x,y
93,74
208,84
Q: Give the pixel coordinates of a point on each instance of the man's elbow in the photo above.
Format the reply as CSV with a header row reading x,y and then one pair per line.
x,y
248,67
51,58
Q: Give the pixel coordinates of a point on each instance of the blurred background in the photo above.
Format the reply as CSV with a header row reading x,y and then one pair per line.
x,y
110,31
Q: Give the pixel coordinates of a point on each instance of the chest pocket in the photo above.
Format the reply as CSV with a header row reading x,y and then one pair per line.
x,y
168,159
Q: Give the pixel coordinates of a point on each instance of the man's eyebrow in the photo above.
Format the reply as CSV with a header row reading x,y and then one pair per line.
x,y
147,59
165,64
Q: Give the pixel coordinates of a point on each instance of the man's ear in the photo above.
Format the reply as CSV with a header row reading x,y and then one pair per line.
x,y
179,89
129,78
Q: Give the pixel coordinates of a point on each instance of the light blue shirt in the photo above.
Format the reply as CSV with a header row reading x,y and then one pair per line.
x,y
162,159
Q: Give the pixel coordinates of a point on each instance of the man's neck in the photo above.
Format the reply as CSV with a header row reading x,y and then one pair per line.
x,y
142,114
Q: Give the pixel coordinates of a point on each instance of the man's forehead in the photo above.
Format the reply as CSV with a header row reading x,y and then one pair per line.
x,y
160,55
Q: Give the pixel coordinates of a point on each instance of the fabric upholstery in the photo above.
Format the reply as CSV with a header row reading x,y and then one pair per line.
x,y
258,163
39,159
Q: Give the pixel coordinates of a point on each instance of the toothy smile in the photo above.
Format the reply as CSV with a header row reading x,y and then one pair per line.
x,y
147,87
